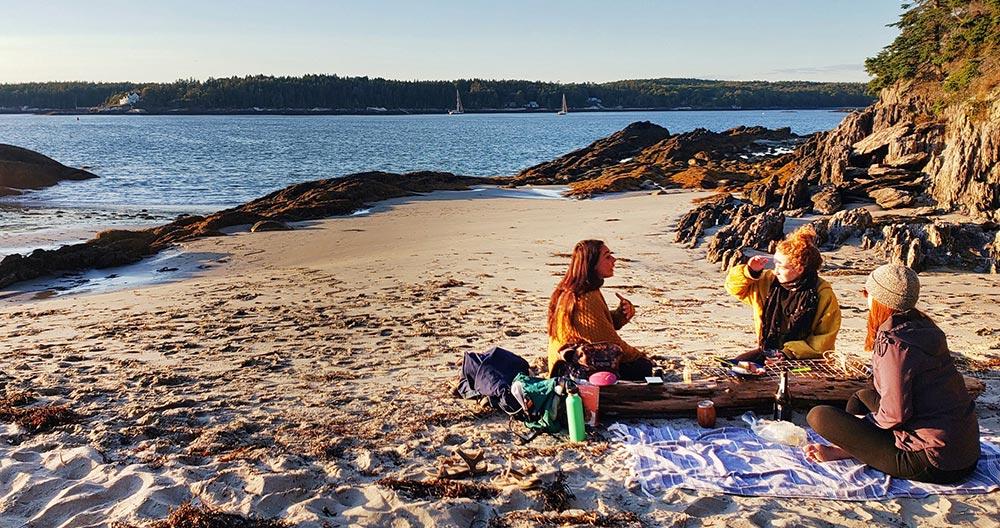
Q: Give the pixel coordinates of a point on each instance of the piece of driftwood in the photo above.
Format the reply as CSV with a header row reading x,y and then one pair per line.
x,y
732,396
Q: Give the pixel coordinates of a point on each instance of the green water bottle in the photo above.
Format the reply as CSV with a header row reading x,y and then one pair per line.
x,y
574,415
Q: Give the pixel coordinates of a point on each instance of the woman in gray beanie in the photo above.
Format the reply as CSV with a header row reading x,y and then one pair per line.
x,y
919,422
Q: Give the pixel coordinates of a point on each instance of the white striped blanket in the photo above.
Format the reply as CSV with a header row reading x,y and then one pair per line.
x,y
736,461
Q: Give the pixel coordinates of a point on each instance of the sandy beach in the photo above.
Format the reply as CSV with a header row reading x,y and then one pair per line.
x,y
283,374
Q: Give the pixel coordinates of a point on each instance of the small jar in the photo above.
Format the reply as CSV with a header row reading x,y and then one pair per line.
x,y
687,372
706,413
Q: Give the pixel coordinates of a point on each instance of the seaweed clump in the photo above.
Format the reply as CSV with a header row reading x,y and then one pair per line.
x,y
188,516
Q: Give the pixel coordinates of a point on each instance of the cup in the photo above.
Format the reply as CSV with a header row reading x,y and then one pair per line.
x,y
706,413
590,394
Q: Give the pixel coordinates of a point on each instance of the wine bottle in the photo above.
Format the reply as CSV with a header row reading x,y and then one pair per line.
x,y
783,399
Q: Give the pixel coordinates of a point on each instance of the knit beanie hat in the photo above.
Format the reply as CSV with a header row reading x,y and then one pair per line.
x,y
895,286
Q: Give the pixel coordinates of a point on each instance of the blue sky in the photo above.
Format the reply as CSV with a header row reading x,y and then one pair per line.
x,y
560,41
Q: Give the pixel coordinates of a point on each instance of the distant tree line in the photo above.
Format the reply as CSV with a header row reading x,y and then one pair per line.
x,y
332,92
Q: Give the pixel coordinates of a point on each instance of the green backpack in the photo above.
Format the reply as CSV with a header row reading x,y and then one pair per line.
x,y
542,401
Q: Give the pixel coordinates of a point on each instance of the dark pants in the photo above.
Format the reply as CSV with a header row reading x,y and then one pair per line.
x,y
873,445
635,370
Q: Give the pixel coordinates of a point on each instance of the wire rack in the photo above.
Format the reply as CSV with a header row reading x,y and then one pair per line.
x,y
832,365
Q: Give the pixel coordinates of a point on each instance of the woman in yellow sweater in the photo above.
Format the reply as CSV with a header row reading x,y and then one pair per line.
x,y
795,312
579,314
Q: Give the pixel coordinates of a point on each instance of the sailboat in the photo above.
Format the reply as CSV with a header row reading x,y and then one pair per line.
x,y
458,104
565,109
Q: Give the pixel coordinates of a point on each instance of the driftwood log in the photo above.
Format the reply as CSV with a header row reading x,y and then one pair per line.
x,y
731,396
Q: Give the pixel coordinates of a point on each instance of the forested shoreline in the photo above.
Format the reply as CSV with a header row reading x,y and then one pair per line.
x,y
335,94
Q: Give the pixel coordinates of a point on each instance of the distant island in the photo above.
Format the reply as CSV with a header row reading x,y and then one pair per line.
x,y
332,94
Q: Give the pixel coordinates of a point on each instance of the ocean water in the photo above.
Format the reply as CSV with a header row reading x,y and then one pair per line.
x,y
152,168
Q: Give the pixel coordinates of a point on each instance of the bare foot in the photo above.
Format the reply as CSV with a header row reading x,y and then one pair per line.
x,y
824,453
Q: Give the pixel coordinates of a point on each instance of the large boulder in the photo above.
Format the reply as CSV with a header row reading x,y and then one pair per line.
x,y
22,169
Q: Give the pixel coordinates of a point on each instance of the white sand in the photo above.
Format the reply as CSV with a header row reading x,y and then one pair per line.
x,y
292,370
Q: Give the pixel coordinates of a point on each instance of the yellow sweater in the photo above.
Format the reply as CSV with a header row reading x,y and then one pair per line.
x,y
590,322
751,291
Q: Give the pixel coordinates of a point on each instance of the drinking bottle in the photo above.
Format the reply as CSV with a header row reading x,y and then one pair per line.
x,y
574,416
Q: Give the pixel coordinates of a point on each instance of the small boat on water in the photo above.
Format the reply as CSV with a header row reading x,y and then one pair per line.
x,y
565,109
458,104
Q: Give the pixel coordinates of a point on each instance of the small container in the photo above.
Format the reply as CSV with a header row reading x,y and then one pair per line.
x,y
706,413
687,372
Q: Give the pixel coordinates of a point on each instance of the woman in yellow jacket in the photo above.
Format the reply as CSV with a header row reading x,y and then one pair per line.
x,y
579,314
795,312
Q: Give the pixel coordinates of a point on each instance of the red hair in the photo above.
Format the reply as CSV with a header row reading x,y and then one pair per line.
x,y
800,249
878,314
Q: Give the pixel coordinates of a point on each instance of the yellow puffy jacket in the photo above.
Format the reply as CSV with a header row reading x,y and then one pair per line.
x,y
753,291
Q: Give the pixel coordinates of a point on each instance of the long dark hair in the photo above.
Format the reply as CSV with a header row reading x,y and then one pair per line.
x,y
581,277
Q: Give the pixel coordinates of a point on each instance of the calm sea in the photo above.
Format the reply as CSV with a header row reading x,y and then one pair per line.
x,y
153,167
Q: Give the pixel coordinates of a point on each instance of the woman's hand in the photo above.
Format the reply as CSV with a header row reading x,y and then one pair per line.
x,y
626,307
757,263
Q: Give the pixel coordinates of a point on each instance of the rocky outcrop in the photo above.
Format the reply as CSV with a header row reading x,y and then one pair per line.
x,y
304,201
900,152
22,169
934,243
903,152
645,154
713,212
599,155
752,227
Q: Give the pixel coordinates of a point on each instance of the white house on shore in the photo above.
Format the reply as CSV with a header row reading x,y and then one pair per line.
x,y
129,99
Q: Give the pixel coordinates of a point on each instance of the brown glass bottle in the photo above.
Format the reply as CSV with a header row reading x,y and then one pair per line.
x,y
783,399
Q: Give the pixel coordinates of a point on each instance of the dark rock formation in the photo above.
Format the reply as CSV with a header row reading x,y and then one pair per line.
x,y
843,226
751,227
599,155
644,152
762,193
930,243
711,213
21,168
304,201
901,152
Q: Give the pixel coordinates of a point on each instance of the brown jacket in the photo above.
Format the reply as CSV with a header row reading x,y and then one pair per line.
x,y
923,397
